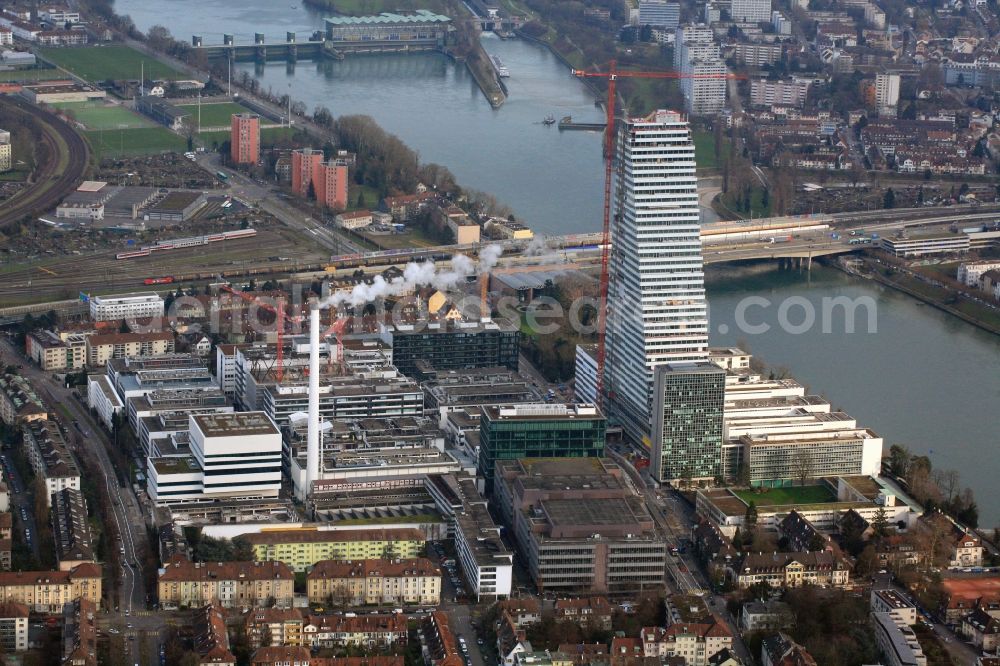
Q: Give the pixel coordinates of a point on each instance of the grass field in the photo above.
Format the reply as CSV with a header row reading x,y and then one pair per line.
x,y
98,116
214,115
268,136
704,150
370,196
97,63
791,495
142,141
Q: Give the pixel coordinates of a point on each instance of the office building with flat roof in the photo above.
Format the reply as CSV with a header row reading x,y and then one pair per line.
x,y
509,432
579,525
656,303
454,345
687,422
126,306
239,454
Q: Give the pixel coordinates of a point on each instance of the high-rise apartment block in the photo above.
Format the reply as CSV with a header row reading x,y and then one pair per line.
x,y
750,11
696,55
687,422
244,139
657,313
887,94
659,14
305,167
326,179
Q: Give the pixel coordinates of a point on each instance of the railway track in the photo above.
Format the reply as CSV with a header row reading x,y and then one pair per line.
x,y
51,185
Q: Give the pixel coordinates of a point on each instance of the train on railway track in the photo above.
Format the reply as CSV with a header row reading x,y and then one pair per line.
x,y
190,241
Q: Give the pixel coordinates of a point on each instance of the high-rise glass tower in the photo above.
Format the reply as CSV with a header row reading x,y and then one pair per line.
x,y
656,294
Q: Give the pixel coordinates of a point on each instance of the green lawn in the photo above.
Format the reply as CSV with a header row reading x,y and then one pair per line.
x,y
370,197
214,115
704,150
790,495
98,116
144,141
96,63
268,136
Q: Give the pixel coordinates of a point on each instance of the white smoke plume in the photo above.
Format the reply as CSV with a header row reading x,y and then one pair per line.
x,y
538,248
416,275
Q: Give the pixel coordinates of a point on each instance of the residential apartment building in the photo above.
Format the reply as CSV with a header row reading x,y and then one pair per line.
x,y
331,185
971,273
183,583
780,650
305,170
695,642
301,549
579,510
660,14
14,626
79,639
54,353
244,138
657,312
126,306
375,582
586,611
509,432
766,93
750,11
367,631
793,569
102,348
50,458
6,153
71,529
211,638
982,630
18,401
274,626
898,644
902,610
887,94
696,54
49,591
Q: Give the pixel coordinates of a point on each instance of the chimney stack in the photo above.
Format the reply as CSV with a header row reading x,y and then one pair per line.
x,y
312,451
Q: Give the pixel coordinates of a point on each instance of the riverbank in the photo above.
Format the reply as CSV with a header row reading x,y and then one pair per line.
x,y
937,297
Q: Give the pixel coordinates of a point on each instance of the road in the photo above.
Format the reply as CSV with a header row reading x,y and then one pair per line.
x,y
22,506
249,190
126,512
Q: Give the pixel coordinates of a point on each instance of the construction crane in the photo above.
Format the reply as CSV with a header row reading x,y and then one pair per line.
x,y
612,76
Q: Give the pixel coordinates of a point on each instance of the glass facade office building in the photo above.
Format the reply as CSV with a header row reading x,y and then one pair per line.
x,y
687,422
455,348
538,431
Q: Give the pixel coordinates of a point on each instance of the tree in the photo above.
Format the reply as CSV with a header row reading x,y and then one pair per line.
x,y
311,191
803,467
889,200
750,517
361,200
899,460
880,523
123,327
947,482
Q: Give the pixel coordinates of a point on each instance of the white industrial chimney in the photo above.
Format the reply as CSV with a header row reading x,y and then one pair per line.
x,y
312,451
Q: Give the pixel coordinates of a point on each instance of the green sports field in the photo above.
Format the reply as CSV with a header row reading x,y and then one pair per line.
x,y
142,141
97,63
790,495
214,115
99,116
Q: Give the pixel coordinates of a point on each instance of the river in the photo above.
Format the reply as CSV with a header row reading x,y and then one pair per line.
x,y
924,378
